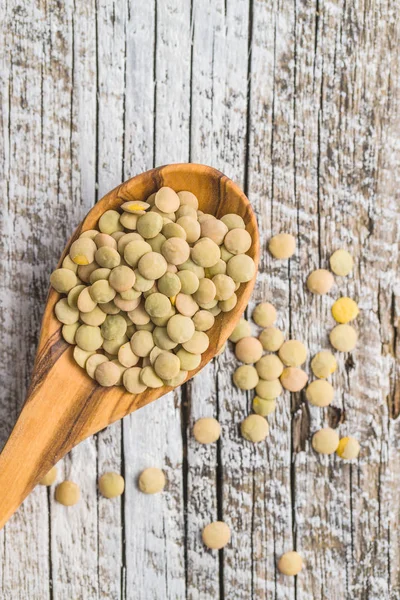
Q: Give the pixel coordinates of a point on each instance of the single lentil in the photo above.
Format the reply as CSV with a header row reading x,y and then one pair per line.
x,y
341,263
216,535
282,246
320,393
111,485
348,448
344,310
325,441
152,481
264,314
323,364
207,430
320,281
67,493
254,428
343,338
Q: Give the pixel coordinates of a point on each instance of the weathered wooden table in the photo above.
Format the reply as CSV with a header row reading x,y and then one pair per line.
x,y
298,101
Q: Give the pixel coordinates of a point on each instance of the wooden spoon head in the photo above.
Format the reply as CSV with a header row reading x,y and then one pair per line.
x,y
79,403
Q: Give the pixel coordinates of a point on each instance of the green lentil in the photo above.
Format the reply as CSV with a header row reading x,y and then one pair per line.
x,y
68,332
241,268
149,225
101,292
109,222
205,253
93,362
82,251
188,361
65,313
114,327
101,273
88,338
203,320
122,278
237,241
233,221
167,365
103,239
107,257
189,281
142,343
169,284
162,339
63,280
73,295
132,382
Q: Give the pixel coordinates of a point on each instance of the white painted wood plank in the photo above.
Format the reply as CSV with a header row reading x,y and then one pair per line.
x,y
74,536
271,193
349,208
140,86
219,102
204,491
155,553
34,186
139,134
172,84
203,566
314,51
111,27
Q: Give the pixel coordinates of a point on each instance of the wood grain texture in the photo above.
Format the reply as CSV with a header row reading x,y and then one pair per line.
x,y
298,102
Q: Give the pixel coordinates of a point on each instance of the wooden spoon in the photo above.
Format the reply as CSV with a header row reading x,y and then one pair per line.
x,y
64,405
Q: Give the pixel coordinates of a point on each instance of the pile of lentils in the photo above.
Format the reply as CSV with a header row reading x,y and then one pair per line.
x,y
280,368
144,288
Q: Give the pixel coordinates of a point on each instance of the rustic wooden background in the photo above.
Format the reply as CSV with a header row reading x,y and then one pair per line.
x,y
298,101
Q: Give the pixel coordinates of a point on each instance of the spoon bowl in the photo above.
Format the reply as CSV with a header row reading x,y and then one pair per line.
x,y
64,405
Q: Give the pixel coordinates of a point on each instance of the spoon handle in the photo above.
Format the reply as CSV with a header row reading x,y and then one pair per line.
x,y
49,425
24,461
63,407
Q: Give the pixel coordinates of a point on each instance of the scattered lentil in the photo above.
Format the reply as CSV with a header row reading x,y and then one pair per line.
x,y
111,485
264,314
152,481
67,493
320,281
249,350
290,563
269,390
263,407
242,329
207,430
344,310
271,339
282,246
341,263
50,477
325,441
216,535
269,367
293,379
320,393
246,377
348,449
293,353
254,428
343,338
323,364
